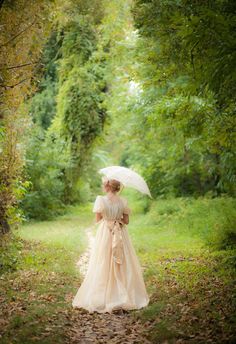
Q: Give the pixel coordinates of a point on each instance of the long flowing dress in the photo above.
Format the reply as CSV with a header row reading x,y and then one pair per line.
x,y
114,277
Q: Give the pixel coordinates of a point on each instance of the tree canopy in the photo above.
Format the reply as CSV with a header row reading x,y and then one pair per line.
x,y
145,84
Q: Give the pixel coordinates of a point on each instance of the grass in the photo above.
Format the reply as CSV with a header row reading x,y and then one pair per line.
x,y
61,240
189,276
37,296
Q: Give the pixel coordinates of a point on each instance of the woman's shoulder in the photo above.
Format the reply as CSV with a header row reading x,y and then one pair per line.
x,y
100,197
98,204
126,208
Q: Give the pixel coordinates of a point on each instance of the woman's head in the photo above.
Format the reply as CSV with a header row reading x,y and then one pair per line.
x,y
111,185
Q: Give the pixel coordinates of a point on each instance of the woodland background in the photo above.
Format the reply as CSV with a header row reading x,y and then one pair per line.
x,y
147,84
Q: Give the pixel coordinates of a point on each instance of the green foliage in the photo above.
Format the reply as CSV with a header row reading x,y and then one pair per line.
x,y
81,113
43,106
184,115
79,43
224,235
81,116
10,252
161,96
172,224
45,165
68,115
27,25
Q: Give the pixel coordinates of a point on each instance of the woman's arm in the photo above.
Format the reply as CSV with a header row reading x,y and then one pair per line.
x,y
98,217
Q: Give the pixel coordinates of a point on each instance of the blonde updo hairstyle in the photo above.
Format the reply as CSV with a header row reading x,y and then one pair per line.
x,y
112,185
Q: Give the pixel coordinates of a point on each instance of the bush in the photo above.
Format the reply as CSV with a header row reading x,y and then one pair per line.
x,y
10,248
223,236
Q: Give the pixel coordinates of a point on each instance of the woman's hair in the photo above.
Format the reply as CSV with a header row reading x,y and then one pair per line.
x,y
113,184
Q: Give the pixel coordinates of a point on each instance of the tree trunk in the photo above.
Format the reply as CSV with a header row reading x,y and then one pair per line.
x,y
4,226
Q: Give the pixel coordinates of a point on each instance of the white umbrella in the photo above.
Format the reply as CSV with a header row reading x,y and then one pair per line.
x,y
127,177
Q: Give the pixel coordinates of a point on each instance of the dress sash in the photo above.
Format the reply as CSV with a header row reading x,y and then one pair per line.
x,y
116,227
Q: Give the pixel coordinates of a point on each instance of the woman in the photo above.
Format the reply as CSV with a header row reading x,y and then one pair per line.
x,y
114,278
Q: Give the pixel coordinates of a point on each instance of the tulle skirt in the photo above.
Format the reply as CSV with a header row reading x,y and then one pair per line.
x,y
114,277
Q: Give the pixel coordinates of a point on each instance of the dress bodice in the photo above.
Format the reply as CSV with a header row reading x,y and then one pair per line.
x,y
111,209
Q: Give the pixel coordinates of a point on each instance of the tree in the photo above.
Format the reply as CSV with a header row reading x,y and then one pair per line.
x,y
27,27
185,57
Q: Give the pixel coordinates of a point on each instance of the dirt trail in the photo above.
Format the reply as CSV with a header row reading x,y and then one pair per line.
x,y
82,263
119,327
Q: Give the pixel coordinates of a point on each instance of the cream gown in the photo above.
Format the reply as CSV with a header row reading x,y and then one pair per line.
x,y
114,277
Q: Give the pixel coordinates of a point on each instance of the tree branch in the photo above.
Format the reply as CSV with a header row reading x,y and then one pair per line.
x,y
17,35
12,86
18,66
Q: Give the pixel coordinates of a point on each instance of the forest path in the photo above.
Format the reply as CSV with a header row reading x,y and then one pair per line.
x,y
118,327
191,292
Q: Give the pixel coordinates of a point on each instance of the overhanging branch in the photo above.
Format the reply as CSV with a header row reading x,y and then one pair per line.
x,y
14,85
18,66
17,35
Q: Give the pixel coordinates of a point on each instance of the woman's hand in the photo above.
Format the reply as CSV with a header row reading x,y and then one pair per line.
x,y
98,217
125,219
